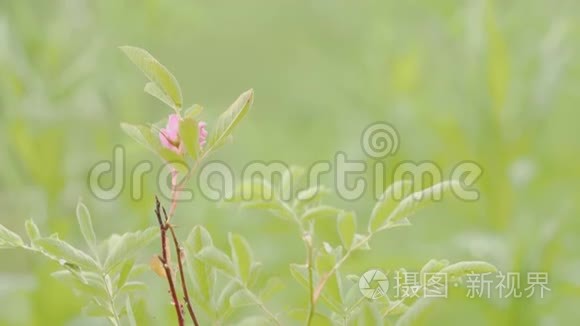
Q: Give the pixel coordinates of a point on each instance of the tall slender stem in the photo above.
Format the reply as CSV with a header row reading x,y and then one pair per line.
x,y
165,261
178,251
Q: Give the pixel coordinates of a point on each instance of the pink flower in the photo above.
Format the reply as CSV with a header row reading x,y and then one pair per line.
x,y
202,133
169,136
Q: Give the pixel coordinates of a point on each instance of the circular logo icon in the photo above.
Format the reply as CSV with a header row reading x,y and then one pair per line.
x,y
380,140
373,284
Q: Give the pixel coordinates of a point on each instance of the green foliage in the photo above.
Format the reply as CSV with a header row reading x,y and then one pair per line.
x,y
165,86
105,290
321,276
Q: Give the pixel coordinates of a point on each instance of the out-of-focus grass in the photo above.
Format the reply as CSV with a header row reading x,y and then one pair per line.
x,y
493,83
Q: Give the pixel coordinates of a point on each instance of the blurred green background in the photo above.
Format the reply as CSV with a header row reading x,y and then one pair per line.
x,y
497,83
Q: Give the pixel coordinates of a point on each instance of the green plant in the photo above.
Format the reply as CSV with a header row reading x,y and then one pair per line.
x,y
216,286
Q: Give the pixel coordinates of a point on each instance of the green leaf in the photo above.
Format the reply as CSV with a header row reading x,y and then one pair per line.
x,y
125,271
89,284
242,298
223,300
217,259
242,256
86,225
460,269
332,292
202,274
32,230
299,272
346,227
10,237
148,138
188,131
129,310
416,313
416,200
193,111
311,194
432,266
63,250
133,286
320,212
142,135
228,120
387,203
273,286
156,72
152,89
198,239
125,246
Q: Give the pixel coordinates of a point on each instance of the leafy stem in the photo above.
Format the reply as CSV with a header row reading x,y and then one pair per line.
x,y
338,264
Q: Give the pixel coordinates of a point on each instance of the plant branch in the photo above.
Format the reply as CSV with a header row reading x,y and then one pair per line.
x,y
338,264
179,252
164,259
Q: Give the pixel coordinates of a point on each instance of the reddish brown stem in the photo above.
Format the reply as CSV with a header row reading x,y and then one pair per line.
x,y
178,251
163,226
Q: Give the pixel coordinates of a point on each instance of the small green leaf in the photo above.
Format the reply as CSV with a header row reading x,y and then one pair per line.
x,y
10,237
410,204
125,271
299,273
242,298
198,239
202,274
332,292
346,226
63,250
416,312
89,284
193,111
228,120
156,72
133,286
223,300
273,286
460,269
141,134
152,89
432,266
320,212
242,256
32,230
129,310
387,203
125,246
86,225
188,131
217,259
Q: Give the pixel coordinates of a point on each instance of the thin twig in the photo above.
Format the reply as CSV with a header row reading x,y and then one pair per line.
x,y
179,251
165,261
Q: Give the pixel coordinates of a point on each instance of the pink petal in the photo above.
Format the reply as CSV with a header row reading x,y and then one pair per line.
x,y
173,122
